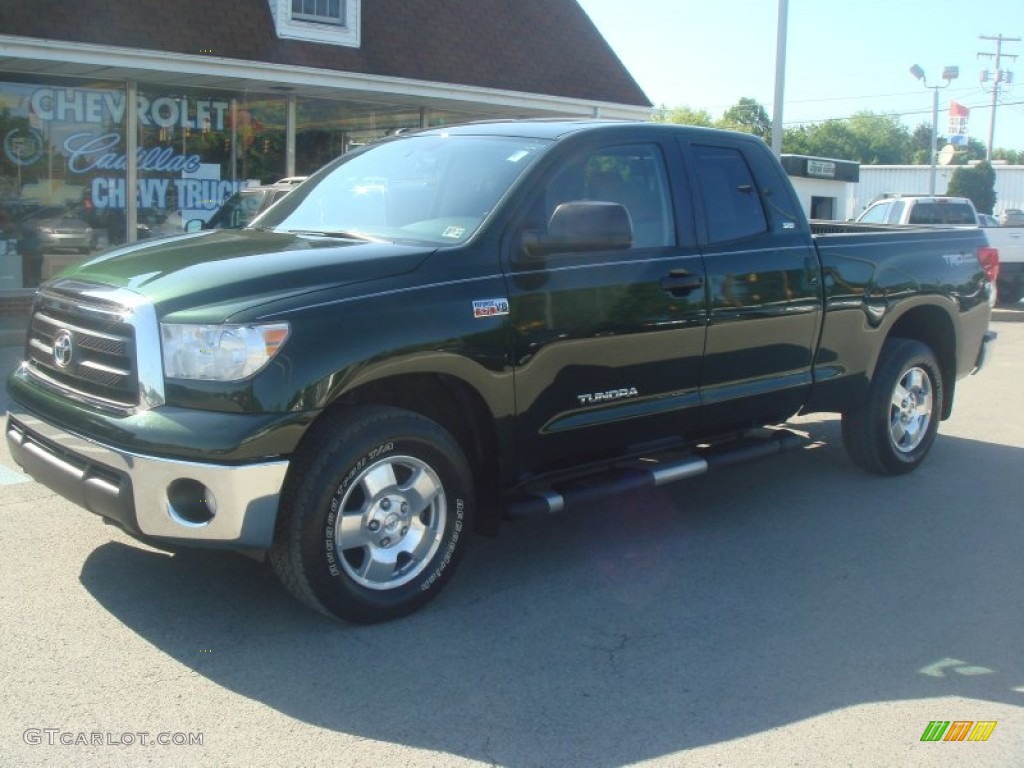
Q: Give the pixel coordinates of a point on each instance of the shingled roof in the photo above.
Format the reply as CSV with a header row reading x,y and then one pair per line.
x,y
546,47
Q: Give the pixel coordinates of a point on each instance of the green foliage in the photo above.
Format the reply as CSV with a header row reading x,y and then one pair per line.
x,y
684,116
977,182
747,116
1010,156
867,137
920,138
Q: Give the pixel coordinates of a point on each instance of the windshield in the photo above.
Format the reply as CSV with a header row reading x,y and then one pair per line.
x,y
433,189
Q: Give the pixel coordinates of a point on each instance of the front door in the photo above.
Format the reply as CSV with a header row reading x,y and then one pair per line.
x,y
607,345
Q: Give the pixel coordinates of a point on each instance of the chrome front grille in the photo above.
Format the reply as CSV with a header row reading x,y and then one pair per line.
x,y
92,344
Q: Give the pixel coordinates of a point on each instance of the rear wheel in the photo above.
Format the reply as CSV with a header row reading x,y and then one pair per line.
x,y
374,517
893,430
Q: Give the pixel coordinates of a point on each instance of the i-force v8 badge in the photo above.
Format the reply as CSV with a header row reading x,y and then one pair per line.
x,y
490,307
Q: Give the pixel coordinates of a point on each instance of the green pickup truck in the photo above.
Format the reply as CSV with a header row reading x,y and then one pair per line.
x,y
448,327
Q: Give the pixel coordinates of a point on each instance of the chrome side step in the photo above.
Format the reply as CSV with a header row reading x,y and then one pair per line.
x,y
646,472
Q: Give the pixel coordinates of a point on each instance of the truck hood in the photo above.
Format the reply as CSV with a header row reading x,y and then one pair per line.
x,y
224,271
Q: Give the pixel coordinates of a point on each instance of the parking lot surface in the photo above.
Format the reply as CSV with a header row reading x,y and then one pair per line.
x,y
790,612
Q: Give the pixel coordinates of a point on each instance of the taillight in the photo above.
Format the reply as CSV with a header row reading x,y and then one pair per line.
x,y
989,259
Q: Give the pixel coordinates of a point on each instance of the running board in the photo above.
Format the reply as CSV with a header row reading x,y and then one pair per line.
x,y
646,472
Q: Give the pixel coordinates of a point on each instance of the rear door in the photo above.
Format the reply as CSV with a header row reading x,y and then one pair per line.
x,y
607,345
764,285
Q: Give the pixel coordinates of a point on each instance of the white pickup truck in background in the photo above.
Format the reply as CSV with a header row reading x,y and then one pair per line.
x,y
927,210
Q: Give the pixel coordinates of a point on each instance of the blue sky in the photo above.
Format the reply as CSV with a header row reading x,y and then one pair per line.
x,y
842,57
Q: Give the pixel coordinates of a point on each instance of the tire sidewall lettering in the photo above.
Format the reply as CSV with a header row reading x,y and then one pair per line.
x,y
333,515
449,552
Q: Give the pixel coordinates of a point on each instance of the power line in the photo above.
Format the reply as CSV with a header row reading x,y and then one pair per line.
x,y
895,114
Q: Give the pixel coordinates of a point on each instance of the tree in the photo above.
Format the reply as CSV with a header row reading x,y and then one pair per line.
x,y
919,141
684,116
866,138
978,183
832,138
1010,156
880,139
748,116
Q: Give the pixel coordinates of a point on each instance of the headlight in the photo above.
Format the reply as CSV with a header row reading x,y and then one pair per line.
x,y
219,352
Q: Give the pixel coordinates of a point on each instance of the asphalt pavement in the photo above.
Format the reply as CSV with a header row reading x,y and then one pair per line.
x,y
789,612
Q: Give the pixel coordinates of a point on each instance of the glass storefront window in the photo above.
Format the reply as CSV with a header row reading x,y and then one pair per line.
x,y
197,149
327,129
57,138
63,163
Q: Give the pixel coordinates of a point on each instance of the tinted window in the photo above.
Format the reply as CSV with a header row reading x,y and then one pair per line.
x,y
732,205
942,213
632,176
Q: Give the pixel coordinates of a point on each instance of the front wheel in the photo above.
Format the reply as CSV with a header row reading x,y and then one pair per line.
x,y
374,515
893,430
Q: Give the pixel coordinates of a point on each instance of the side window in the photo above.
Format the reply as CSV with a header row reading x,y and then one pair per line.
x,y
732,204
924,213
896,213
876,214
632,176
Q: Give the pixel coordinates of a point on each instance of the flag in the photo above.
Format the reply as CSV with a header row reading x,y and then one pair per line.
x,y
958,110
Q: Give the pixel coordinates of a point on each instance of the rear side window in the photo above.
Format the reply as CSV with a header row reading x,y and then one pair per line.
x,y
942,213
732,205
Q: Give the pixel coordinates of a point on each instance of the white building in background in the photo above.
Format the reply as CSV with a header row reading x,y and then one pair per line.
x,y
878,180
824,185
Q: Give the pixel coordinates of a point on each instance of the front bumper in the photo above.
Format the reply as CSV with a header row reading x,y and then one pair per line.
x,y
167,499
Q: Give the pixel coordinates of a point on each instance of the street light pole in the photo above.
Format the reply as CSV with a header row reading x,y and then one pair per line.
x,y
948,74
780,77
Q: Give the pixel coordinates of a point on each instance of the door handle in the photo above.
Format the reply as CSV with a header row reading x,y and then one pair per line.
x,y
679,282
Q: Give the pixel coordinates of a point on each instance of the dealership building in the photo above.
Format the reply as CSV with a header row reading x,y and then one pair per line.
x,y
186,102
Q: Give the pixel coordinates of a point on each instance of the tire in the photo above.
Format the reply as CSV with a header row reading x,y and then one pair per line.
x,y
374,517
893,430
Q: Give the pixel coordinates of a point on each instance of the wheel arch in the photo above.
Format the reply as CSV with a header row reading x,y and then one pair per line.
x,y
932,326
455,405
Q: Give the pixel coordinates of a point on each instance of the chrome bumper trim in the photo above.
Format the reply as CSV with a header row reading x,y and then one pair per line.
x,y
246,495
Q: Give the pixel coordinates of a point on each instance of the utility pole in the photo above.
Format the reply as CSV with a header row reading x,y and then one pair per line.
x,y
1000,76
780,76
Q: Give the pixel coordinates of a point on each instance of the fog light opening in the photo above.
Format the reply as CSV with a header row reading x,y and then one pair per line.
x,y
190,503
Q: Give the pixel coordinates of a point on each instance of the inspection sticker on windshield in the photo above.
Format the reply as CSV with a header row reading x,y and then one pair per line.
x,y
454,232
490,307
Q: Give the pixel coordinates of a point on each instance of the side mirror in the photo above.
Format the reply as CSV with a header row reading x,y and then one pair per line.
x,y
193,225
579,226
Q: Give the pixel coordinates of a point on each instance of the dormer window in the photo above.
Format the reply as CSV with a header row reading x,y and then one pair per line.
x,y
335,22
319,11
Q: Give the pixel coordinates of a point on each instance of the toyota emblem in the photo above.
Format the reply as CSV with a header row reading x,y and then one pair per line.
x,y
63,348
